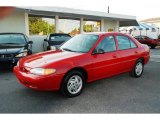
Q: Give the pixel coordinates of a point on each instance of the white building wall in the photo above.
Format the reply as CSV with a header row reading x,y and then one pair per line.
x,y
14,23
109,25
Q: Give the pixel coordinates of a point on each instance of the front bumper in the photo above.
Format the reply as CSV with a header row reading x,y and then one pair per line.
x,y
44,83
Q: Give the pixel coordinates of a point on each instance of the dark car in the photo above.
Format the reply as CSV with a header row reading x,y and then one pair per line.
x,y
148,41
14,46
53,41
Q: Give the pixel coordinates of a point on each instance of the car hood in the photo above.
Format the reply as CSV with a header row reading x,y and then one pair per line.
x,y
11,49
47,58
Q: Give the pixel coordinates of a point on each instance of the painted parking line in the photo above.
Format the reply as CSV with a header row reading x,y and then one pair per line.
x,y
155,58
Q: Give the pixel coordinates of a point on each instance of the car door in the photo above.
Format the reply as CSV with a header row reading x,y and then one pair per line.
x,y
105,64
128,52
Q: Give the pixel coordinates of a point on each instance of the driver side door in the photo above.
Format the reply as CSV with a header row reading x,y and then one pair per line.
x,y
106,63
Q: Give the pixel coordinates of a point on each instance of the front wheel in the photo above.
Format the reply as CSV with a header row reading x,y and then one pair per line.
x,y
73,84
137,71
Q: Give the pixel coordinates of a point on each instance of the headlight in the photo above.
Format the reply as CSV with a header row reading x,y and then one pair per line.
x,y
53,48
42,71
22,54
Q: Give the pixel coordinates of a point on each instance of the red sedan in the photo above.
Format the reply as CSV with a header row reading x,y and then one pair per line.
x,y
84,58
148,41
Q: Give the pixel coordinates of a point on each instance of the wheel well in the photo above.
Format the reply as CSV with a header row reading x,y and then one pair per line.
x,y
84,72
142,59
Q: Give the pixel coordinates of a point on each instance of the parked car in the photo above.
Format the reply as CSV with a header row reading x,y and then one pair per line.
x,y
82,59
14,46
53,41
148,40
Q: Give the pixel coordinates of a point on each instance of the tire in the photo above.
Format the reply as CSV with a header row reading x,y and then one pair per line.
x,y
70,87
138,69
153,47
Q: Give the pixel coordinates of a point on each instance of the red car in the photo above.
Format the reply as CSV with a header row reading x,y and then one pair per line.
x,y
84,58
148,41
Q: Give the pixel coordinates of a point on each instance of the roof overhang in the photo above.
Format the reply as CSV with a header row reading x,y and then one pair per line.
x,y
67,13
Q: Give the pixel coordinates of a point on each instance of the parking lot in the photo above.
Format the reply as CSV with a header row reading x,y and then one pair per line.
x,y
119,94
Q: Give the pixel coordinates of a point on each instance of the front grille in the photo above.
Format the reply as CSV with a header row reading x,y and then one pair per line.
x,y
6,56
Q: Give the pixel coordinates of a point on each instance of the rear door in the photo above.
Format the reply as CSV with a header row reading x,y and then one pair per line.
x,y
128,51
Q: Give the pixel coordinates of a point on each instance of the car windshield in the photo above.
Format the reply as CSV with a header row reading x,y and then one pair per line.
x,y
80,43
12,39
59,37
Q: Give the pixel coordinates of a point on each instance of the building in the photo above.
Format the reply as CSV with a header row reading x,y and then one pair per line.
x,y
143,29
19,20
152,21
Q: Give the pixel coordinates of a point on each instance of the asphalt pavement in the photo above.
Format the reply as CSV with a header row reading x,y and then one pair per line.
x,y
119,94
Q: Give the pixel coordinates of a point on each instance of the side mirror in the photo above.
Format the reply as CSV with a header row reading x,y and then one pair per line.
x,y
30,42
98,51
45,40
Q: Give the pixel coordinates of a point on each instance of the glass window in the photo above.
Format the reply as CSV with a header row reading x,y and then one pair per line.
x,y
69,26
12,39
80,43
92,26
133,45
123,42
108,44
59,37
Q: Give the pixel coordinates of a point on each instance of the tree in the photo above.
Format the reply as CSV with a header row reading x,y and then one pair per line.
x,y
38,25
88,28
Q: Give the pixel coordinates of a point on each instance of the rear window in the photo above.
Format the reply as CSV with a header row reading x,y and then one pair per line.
x,y
12,39
60,37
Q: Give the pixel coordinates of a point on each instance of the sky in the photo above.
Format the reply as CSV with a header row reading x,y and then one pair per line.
x,y
142,9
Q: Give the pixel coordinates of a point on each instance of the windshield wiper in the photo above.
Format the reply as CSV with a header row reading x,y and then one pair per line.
x,y
66,49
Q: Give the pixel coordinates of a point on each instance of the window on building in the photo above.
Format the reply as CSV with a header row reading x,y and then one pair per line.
x,y
92,26
153,30
69,26
41,25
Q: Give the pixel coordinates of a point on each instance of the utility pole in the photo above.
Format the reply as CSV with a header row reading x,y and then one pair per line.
x,y
108,10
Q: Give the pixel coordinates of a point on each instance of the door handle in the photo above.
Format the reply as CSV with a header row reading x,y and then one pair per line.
x,y
136,52
114,56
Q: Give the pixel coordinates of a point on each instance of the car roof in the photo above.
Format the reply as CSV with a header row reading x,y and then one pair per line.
x,y
104,33
12,33
59,34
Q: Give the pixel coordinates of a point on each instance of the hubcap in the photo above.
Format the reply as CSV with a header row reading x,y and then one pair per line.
x,y
74,84
139,68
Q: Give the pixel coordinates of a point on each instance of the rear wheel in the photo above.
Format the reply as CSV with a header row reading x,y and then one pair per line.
x,y
137,71
153,47
73,84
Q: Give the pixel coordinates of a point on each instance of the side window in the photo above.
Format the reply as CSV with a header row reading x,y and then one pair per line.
x,y
107,44
133,45
123,42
